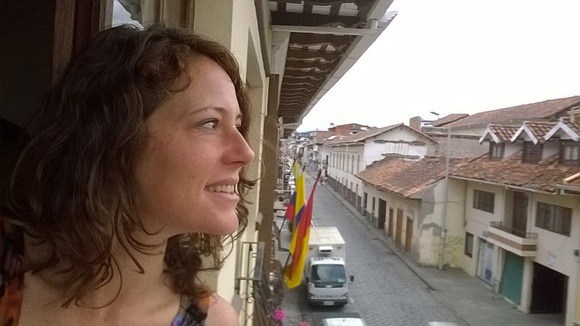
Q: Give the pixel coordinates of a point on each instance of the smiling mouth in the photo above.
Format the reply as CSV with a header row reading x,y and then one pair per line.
x,y
227,189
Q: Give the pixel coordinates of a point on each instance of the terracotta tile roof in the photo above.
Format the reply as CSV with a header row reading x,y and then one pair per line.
x,y
363,135
348,126
565,127
499,133
340,131
516,114
536,130
448,119
543,176
573,180
403,176
575,126
322,135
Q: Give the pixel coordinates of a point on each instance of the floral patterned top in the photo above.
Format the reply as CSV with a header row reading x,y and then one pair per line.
x,y
191,312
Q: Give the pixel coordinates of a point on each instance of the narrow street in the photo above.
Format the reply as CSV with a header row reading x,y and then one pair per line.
x,y
385,291
391,290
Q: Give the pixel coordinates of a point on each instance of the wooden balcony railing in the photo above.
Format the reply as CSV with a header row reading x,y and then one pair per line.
x,y
516,232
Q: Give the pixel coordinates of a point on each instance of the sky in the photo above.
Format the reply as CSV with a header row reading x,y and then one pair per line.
x,y
458,56
122,16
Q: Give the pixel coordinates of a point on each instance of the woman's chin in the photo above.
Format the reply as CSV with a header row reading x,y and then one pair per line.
x,y
225,226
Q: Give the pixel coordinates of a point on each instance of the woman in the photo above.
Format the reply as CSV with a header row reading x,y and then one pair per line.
x,y
133,175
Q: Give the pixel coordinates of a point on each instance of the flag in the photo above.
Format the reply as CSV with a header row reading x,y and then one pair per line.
x,y
289,214
298,196
298,209
300,237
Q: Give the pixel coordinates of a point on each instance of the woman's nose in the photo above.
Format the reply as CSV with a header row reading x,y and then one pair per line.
x,y
241,150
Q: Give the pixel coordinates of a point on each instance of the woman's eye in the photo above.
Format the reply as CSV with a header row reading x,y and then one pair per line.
x,y
209,124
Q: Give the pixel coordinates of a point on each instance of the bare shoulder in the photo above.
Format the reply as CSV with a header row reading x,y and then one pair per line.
x,y
221,312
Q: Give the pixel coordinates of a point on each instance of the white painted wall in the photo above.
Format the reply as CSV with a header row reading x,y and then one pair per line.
x,y
374,151
550,148
477,221
341,167
510,149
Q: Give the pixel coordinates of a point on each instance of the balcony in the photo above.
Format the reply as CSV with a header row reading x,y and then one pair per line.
x,y
520,243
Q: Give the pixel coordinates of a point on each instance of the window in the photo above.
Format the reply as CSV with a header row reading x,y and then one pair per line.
x,y
483,200
554,218
570,153
468,244
532,152
496,151
373,206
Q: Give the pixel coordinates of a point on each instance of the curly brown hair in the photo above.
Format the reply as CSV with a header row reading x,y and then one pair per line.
x,y
74,190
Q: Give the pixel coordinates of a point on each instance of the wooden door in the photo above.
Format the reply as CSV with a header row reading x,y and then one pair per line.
x,y
391,217
408,234
382,214
399,227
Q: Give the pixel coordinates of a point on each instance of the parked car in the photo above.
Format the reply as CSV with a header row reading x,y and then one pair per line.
x,y
342,321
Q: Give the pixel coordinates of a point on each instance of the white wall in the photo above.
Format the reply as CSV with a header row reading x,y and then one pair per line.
x,y
374,150
510,149
340,168
477,221
550,148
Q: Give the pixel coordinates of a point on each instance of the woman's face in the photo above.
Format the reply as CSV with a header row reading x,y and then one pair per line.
x,y
193,155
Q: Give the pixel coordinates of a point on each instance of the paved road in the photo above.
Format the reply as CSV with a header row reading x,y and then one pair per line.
x,y
385,290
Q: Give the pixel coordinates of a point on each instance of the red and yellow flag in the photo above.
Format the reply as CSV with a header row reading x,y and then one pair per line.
x,y
300,237
298,198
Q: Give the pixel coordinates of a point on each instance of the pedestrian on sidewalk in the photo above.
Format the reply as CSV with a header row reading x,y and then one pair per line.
x,y
134,173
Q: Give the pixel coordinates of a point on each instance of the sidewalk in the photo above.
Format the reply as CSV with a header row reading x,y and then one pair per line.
x,y
471,299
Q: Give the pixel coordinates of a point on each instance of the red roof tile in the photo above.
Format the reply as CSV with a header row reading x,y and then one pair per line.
x,y
361,136
574,126
512,172
503,133
564,126
573,180
448,119
320,136
516,114
403,176
537,129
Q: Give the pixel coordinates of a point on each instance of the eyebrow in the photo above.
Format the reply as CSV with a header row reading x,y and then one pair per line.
x,y
219,109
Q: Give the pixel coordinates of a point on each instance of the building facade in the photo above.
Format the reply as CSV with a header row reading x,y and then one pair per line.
x,y
522,231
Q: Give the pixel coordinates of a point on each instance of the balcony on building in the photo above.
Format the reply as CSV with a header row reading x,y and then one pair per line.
x,y
521,243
